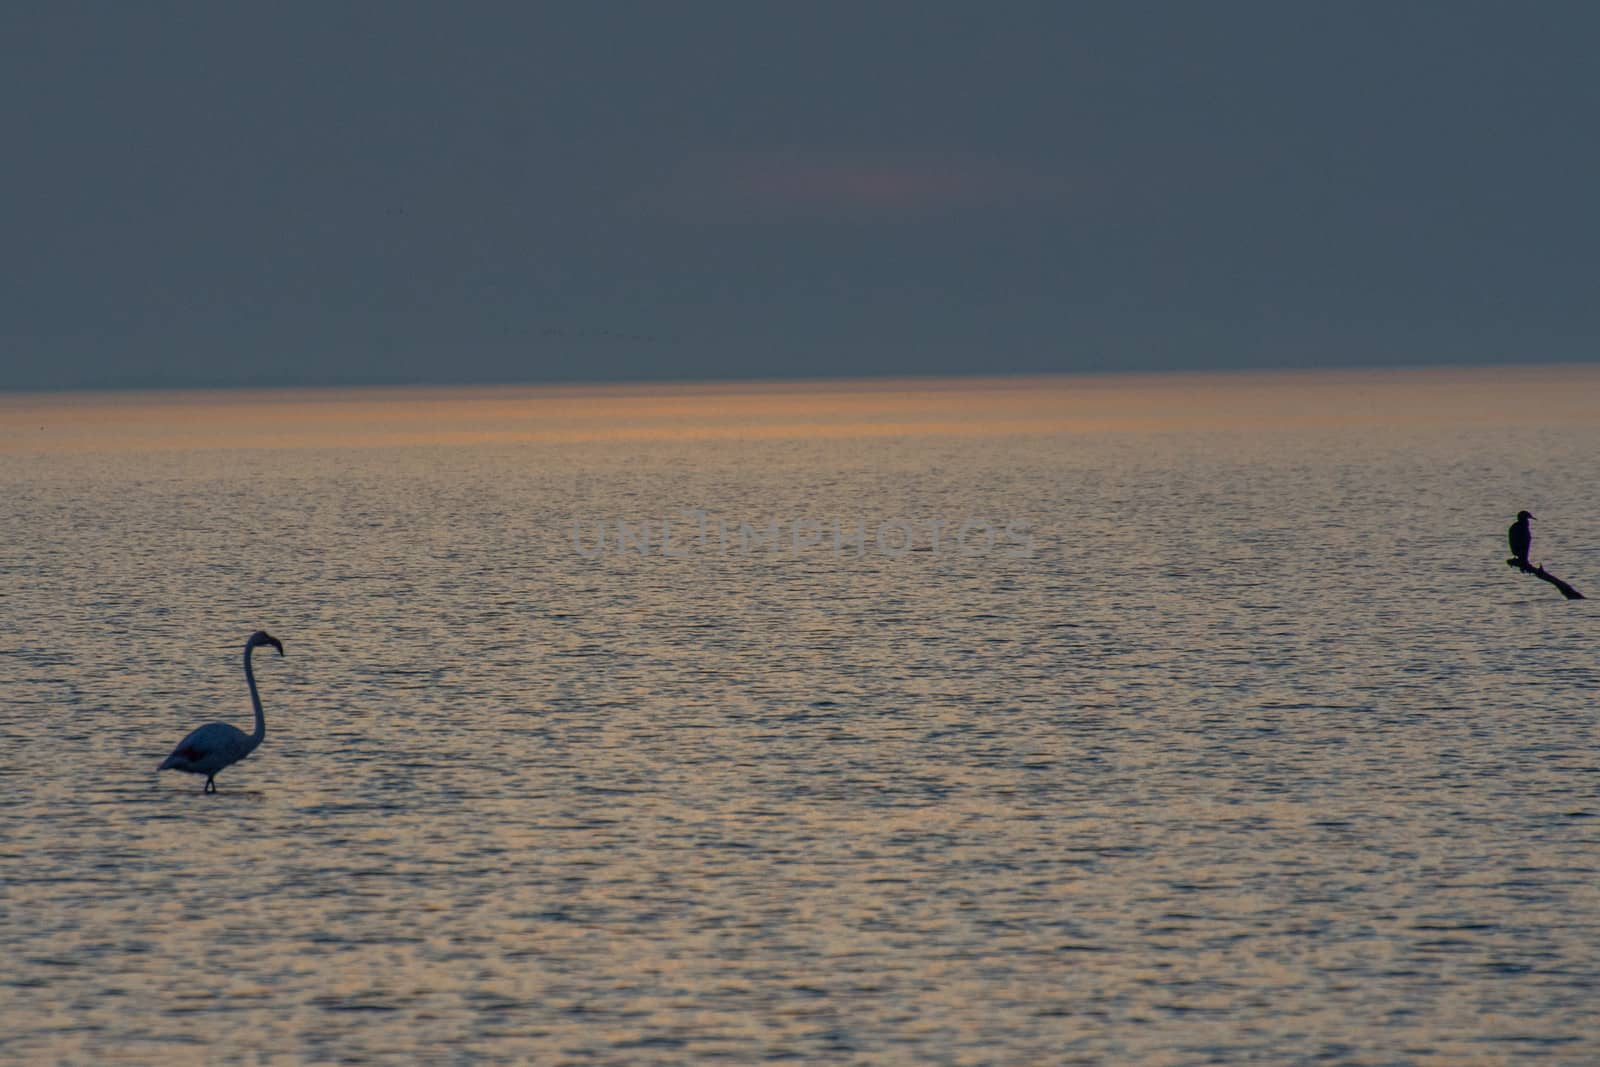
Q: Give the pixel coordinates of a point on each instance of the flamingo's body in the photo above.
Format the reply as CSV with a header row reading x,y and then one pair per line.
x,y
218,744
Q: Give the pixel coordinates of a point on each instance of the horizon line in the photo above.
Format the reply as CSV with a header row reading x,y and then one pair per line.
x,y
690,383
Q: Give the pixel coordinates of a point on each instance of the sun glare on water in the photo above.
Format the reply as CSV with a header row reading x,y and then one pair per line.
x,y
304,418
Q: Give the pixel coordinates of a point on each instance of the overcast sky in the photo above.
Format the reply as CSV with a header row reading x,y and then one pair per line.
x,y
218,193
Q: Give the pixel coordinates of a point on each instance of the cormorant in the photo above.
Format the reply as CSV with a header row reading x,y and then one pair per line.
x,y
1520,537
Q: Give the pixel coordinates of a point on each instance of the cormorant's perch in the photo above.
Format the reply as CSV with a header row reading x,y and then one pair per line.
x,y
1521,539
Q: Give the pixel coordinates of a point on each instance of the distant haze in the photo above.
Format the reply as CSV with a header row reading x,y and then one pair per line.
x,y
205,195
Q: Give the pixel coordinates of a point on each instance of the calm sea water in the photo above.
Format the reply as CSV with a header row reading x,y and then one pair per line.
x,y
1242,745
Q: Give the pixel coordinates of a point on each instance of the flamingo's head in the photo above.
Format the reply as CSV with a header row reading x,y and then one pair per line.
x,y
261,637
1523,516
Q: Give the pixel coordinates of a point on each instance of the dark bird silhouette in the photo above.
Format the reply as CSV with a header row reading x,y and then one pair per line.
x,y
1520,536
218,744
1521,539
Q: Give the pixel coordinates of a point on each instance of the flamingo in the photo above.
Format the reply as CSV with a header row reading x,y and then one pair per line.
x,y
217,744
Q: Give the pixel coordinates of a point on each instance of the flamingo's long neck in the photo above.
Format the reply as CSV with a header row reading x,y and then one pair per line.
x,y
255,698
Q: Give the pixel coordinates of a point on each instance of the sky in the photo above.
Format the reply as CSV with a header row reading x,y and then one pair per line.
x,y
215,194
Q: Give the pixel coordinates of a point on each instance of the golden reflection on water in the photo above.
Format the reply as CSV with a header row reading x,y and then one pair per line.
x,y
296,418
1236,765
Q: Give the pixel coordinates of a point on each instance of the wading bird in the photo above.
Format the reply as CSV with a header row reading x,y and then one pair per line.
x,y
218,744
1520,536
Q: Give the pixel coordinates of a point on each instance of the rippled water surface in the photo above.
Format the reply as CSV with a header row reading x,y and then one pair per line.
x,y
1241,745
